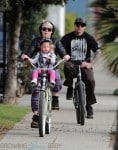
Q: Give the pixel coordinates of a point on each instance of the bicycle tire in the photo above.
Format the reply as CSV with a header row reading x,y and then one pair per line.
x,y
77,107
49,110
78,117
80,98
81,90
42,113
48,126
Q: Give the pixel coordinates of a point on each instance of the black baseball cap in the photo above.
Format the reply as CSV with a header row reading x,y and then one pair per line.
x,y
80,21
46,40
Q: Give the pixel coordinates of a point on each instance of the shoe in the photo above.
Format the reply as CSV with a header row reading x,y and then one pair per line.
x,y
89,110
52,84
34,82
55,103
69,94
34,123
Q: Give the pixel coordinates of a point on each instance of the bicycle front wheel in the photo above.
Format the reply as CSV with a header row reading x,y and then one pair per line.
x,y
80,98
77,106
42,113
49,111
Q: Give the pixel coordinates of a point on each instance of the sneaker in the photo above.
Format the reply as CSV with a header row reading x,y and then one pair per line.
x,y
34,82
69,94
34,123
55,103
52,82
89,110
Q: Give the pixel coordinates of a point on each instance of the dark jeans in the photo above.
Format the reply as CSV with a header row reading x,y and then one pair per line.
x,y
35,92
70,71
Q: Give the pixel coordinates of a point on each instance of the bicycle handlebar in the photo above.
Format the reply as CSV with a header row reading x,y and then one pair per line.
x,y
59,62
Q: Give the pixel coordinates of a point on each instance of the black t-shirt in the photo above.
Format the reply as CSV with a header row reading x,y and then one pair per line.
x,y
79,47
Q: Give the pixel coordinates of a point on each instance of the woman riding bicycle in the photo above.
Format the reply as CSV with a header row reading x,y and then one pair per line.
x,y
46,30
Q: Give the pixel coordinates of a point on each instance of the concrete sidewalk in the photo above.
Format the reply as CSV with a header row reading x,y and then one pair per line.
x,y
65,133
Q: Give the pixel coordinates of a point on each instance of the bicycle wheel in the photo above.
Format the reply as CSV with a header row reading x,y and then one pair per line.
x,y
81,94
49,110
48,126
42,113
77,107
80,99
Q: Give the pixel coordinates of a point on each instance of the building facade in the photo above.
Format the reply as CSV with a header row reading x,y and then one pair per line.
x,y
56,14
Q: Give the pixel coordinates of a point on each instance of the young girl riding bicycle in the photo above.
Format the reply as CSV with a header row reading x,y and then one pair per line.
x,y
44,58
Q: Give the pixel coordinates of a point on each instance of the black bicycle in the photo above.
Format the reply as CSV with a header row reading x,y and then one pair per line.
x,y
45,100
79,96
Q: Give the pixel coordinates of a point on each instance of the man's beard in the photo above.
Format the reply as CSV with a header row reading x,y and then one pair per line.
x,y
78,33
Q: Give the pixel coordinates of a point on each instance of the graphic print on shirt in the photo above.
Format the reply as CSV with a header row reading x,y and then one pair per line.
x,y
78,49
43,61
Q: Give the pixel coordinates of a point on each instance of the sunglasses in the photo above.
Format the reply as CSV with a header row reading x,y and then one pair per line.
x,y
46,29
80,24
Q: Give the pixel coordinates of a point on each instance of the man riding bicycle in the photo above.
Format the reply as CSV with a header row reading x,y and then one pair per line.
x,y
78,45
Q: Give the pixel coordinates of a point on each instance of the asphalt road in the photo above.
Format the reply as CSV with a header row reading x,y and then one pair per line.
x,y
65,133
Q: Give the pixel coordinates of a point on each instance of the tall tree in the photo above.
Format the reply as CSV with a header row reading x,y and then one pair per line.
x,y
16,10
70,17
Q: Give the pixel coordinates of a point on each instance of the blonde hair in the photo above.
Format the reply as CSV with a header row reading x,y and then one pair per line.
x,y
52,49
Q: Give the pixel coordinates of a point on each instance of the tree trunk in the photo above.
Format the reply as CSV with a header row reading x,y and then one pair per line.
x,y
13,45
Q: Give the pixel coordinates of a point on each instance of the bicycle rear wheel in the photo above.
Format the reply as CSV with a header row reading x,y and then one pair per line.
x,y
80,99
42,113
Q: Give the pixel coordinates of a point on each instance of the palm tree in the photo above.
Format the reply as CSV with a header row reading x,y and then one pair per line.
x,y
107,29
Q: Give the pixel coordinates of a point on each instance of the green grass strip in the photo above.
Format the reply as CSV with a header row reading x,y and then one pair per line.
x,y
10,115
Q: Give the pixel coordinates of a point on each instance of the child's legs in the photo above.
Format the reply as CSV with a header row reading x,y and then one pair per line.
x,y
52,75
36,73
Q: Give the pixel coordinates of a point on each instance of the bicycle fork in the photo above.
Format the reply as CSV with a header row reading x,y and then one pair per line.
x,y
79,90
